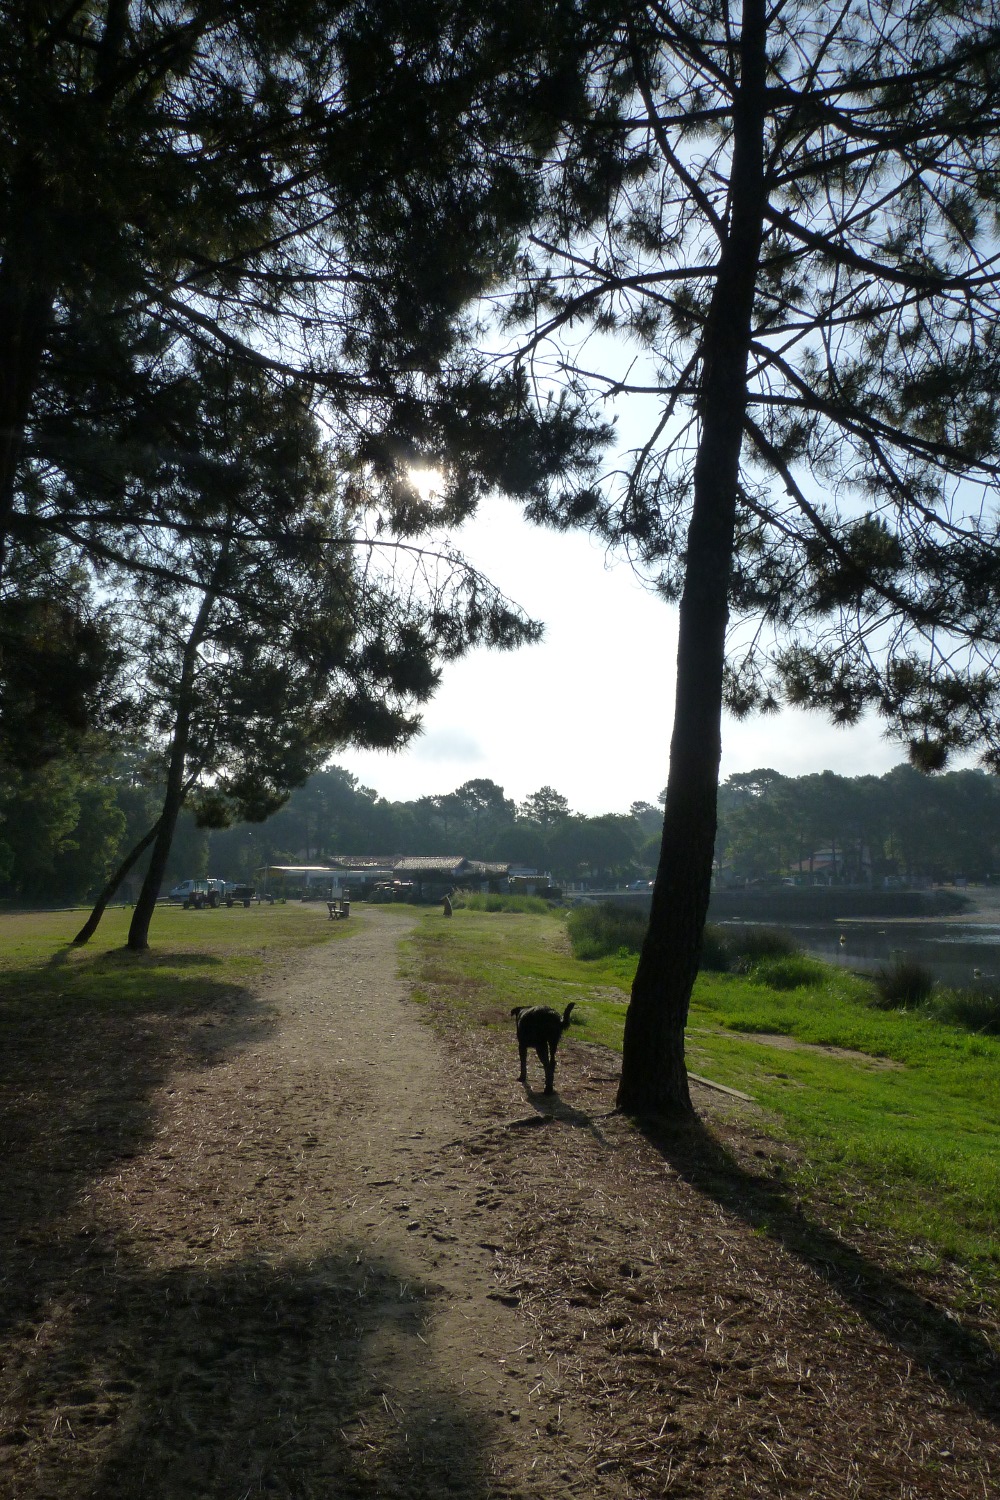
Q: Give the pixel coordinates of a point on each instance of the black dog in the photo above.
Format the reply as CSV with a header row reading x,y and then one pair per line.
x,y
539,1026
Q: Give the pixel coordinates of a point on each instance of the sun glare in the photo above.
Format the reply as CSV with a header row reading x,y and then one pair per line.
x,y
428,483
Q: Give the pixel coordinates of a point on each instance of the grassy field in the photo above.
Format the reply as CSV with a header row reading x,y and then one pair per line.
x,y
896,1117
193,956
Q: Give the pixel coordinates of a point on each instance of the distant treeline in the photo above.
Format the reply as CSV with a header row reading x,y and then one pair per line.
x,y
333,814
904,825
62,830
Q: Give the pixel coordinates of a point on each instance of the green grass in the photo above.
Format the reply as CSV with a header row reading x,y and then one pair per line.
x,y
921,1138
190,953
908,1131
479,964
792,972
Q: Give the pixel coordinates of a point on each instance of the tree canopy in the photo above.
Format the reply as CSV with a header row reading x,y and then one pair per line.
x,y
861,153
545,807
260,633
220,226
308,193
790,213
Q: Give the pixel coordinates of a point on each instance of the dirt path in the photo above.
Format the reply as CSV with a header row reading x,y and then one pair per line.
x,y
350,1258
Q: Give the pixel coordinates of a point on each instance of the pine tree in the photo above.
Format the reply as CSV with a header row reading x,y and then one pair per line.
x,y
312,191
263,629
790,214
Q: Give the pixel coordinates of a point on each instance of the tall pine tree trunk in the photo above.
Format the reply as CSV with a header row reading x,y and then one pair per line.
x,y
654,1077
25,311
39,214
93,921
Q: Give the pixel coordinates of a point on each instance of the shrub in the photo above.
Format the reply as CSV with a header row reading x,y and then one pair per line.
x,y
790,972
758,943
716,953
607,930
604,931
975,1010
475,902
901,985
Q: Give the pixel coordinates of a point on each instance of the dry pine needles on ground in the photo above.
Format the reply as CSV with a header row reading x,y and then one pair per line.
x,y
299,1244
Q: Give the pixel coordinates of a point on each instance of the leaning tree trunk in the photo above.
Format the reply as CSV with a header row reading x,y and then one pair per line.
x,y
93,921
176,788
654,1077
173,801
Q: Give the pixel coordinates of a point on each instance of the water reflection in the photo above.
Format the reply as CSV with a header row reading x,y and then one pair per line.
x,y
958,954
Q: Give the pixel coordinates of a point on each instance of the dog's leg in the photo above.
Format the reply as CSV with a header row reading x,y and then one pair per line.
x,y
542,1050
549,1064
522,1047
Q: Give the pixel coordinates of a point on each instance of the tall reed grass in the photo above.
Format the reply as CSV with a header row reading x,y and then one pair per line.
x,y
604,930
607,930
472,901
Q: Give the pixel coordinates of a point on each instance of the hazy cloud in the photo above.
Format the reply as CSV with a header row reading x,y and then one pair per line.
x,y
447,744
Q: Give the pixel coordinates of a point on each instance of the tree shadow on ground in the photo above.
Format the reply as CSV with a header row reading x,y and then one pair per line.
x,y
292,1380
79,1064
238,1377
926,1333
125,958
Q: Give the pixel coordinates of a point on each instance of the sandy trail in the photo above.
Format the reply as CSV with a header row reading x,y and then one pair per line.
x,y
292,1289
385,1177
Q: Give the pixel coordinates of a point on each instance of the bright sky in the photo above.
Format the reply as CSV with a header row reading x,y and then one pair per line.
x,y
589,710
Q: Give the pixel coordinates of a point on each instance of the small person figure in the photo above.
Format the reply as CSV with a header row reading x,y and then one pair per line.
x,y
446,903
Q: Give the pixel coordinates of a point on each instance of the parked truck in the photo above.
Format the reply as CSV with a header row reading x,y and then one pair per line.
x,y
199,893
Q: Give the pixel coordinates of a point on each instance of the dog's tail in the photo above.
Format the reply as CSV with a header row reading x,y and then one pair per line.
x,y
566,1014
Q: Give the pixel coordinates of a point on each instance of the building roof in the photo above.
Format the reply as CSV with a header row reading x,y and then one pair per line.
x,y
363,861
450,864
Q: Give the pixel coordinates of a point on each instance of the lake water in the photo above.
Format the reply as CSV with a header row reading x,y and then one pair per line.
x,y
953,951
